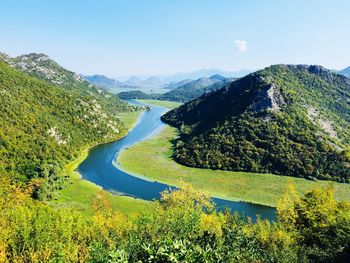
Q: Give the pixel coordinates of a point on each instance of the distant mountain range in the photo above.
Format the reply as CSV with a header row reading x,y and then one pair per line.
x,y
286,119
176,84
163,81
205,73
184,90
102,81
133,82
149,82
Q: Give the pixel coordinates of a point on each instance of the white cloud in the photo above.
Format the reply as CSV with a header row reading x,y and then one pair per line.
x,y
241,45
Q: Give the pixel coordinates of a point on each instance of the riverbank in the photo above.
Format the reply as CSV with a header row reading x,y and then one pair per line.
x,y
152,159
80,193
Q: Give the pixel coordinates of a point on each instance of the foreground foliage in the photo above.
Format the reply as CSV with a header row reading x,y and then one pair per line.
x,y
183,227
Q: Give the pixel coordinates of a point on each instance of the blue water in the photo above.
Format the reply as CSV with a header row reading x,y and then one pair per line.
x,y
98,168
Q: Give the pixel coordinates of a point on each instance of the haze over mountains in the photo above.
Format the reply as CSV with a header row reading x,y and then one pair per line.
x,y
165,81
182,91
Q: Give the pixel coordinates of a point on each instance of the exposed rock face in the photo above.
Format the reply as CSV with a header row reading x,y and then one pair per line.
x,y
315,116
40,65
268,99
53,132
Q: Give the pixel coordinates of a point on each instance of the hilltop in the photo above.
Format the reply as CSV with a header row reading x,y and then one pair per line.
x,y
43,67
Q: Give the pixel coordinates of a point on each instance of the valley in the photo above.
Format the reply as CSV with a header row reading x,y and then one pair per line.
x,y
151,159
174,131
80,194
113,174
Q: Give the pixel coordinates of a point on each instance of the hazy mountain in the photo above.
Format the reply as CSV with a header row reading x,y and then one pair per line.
x,y
205,73
134,81
152,81
218,77
167,81
149,82
103,81
285,119
176,84
345,72
186,92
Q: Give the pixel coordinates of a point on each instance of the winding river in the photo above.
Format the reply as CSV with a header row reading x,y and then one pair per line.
x,y
100,167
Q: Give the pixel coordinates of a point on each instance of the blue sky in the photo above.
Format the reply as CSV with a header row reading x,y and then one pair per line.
x,y
137,37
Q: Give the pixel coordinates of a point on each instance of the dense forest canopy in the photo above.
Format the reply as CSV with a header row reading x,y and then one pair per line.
x,y
136,94
196,88
285,119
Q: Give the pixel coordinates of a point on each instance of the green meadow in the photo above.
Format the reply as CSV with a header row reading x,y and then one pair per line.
x,y
152,159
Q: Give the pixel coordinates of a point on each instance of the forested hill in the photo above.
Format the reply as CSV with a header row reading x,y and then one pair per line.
x,y
42,126
285,119
188,91
136,94
43,67
195,89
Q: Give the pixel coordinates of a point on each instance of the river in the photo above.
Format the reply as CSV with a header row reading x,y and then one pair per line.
x,y
100,167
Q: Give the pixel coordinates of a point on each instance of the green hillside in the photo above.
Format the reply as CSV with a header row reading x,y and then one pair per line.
x,y
43,126
43,67
285,119
186,92
189,91
135,94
